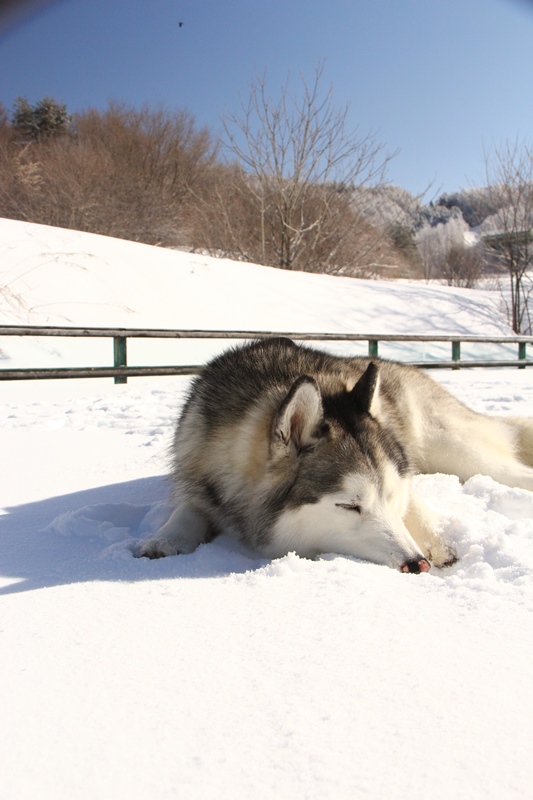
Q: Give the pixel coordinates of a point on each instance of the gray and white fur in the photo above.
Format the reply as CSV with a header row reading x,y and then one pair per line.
x,y
288,448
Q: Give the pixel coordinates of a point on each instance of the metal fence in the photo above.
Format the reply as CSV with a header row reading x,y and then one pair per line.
x,y
120,370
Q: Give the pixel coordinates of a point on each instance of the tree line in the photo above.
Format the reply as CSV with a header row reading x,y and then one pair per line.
x,y
280,191
290,185
119,172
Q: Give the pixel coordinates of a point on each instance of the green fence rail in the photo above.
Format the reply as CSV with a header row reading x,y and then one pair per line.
x,y
120,370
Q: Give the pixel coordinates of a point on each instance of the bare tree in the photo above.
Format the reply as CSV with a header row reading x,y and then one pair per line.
x,y
508,234
462,265
299,164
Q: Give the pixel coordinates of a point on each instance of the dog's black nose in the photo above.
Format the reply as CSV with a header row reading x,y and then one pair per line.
x,y
416,567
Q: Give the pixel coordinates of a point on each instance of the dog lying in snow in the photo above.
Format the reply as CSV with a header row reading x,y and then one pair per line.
x,y
288,448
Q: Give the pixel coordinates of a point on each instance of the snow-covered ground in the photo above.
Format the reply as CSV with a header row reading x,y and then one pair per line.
x,y
219,674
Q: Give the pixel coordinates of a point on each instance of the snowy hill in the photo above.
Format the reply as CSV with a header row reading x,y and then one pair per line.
x,y
219,674
50,276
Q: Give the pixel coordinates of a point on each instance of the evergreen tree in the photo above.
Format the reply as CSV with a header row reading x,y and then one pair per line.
x,y
44,119
22,118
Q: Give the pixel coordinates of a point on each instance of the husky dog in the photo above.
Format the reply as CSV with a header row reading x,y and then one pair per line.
x,y
288,448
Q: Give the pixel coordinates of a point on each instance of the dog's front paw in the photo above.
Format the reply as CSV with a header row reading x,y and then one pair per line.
x,y
443,556
156,548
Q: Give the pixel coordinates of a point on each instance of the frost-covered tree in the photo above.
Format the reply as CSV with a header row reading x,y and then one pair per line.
x,y
388,205
435,242
474,204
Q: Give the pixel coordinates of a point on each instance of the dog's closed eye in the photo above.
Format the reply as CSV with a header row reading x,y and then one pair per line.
x,y
350,507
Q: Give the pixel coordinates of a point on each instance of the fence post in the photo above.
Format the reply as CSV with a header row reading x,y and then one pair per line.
x,y
120,357
456,352
373,348
522,354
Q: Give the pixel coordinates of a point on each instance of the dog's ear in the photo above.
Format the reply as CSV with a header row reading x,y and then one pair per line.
x,y
297,423
365,393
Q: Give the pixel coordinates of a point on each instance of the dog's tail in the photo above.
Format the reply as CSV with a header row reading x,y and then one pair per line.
x,y
522,428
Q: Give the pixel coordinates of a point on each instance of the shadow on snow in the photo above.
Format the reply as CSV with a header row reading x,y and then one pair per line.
x,y
92,535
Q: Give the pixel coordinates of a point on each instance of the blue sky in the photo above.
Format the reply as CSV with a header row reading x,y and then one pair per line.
x,y
442,81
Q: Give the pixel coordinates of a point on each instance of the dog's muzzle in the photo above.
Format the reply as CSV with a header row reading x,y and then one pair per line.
x,y
416,567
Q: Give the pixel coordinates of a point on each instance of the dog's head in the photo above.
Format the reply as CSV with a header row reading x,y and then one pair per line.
x,y
346,477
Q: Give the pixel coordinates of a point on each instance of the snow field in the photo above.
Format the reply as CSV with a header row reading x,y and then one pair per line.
x,y
221,674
